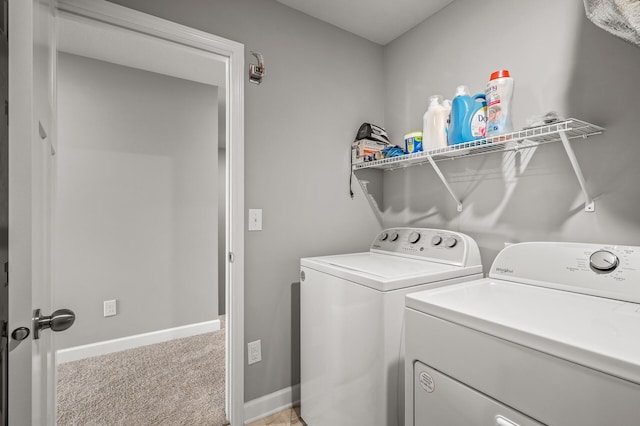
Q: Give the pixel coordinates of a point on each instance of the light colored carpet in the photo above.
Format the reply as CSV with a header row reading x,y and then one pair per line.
x,y
180,382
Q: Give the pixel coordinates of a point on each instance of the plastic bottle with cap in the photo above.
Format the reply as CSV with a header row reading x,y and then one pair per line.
x,y
467,119
499,93
434,123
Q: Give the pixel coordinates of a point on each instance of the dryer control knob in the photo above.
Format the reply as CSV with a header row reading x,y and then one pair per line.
x,y
604,261
383,236
436,240
394,236
451,242
414,237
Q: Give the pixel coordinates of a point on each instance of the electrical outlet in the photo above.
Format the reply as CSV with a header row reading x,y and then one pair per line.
x,y
110,308
255,351
255,219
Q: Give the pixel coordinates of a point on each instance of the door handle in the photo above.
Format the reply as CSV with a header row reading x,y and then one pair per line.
x,y
60,320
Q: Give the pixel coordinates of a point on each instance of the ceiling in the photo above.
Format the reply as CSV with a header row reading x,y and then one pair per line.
x,y
380,21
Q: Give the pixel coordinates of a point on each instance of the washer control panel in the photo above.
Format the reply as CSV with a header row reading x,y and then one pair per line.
x,y
434,244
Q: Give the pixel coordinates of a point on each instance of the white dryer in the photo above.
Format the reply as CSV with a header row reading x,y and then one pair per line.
x,y
351,314
551,337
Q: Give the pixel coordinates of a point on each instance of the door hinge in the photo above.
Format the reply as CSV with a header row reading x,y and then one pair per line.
x,y
232,257
5,20
6,273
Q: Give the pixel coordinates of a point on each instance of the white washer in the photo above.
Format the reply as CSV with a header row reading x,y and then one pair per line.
x,y
351,314
551,337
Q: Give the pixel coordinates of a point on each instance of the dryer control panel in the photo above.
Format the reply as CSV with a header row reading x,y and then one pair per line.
x,y
598,269
429,244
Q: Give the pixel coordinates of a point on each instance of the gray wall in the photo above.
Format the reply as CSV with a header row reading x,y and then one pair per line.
x,y
136,202
321,83
560,61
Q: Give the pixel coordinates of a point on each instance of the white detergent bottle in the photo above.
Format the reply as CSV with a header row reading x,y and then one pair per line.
x,y
434,123
499,93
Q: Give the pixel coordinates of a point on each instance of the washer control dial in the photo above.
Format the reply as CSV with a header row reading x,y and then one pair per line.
x,y
414,237
603,260
436,241
383,236
394,236
451,242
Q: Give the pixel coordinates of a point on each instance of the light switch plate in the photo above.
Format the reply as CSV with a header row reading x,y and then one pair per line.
x,y
255,351
255,219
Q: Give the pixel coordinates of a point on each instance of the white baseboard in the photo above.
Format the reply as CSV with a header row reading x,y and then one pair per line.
x,y
267,405
108,346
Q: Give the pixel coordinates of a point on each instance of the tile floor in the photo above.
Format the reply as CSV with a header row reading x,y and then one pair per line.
x,y
288,417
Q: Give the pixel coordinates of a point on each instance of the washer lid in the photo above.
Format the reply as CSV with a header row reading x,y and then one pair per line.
x,y
592,331
385,272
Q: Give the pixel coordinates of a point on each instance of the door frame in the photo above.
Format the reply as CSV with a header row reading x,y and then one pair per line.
x,y
170,32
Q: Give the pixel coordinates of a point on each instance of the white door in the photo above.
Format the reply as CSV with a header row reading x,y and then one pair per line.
x,y
31,395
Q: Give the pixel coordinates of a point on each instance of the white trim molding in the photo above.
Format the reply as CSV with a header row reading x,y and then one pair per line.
x,y
101,12
130,342
272,403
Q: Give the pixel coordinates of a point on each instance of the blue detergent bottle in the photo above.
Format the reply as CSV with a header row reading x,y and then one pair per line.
x,y
468,121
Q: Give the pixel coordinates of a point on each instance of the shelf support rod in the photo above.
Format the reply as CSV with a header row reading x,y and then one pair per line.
x,y
446,184
589,205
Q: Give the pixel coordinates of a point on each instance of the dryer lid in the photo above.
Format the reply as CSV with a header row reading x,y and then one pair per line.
x,y
592,331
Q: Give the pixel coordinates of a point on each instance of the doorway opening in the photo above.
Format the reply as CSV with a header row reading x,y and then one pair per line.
x,y
153,183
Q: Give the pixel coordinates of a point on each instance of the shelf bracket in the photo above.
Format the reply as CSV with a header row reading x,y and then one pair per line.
x,y
444,181
589,205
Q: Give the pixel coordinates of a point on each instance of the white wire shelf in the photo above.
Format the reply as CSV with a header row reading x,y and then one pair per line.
x,y
526,138
560,131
